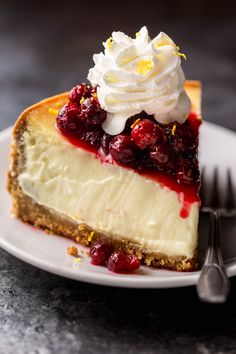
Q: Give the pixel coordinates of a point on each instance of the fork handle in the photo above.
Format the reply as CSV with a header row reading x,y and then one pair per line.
x,y
213,284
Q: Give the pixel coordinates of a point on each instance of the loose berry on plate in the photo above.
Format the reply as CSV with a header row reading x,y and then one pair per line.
x,y
122,149
78,92
68,118
91,112
121,262
146,133
100,252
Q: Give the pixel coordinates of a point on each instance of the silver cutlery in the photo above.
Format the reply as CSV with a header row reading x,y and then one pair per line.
x,y
213,284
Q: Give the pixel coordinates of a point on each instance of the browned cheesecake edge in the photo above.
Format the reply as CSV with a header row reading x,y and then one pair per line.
x,y
26,209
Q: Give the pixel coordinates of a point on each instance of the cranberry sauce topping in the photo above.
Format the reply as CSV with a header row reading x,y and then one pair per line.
x,y
78,92
123,149
67,119
146,133
118,261
166,153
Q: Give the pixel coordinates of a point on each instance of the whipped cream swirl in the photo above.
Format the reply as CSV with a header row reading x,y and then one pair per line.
x,y
140,74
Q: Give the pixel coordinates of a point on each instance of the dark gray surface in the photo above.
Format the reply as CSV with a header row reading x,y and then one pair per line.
x,y
45,49
42,313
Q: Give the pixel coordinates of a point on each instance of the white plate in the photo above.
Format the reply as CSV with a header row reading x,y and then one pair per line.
x,y
217,147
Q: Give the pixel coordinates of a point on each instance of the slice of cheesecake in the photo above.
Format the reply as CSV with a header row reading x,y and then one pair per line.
x,y
65,186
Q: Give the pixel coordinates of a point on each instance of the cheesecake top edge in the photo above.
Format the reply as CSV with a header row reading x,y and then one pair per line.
x,y
193,87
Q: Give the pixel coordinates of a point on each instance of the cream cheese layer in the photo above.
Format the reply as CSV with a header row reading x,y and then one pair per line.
x,y
107,197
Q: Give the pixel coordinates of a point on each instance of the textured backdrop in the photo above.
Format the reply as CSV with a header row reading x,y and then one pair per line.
x,y
46,47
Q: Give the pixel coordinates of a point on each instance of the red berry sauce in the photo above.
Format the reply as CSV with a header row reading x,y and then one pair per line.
x,y
164,153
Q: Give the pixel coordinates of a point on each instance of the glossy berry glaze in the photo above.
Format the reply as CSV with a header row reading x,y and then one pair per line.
x,y
164,153
102,253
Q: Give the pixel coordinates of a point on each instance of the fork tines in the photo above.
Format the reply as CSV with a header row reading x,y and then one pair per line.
x,y
210,193
230,200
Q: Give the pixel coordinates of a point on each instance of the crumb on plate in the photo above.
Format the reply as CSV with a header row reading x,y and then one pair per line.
x,y
72,251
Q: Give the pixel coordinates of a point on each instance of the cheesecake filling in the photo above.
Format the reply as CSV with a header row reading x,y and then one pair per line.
x,y
124,204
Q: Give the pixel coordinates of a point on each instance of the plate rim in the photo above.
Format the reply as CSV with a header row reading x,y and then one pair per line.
x,y
112,280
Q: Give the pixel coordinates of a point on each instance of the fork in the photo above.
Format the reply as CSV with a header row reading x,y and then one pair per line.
x,y
213,284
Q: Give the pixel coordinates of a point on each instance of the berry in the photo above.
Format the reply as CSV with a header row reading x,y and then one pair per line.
x,y
93,90
194,123
144,145
100,253
161,155
187,171
145,162
105,142
182,137
92,113
93,137
131,120
120,262
122,149
68,118
79,91
146,133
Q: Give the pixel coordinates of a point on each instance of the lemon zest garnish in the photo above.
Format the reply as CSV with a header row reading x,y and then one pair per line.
x,y
77,260
58,104
173,129
176,52
82,100
94,95
182,55
76,216
144,66
90,236
134,123
109,42
138,34
53,111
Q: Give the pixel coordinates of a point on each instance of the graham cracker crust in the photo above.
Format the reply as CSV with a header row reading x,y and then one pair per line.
x,y
26,209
